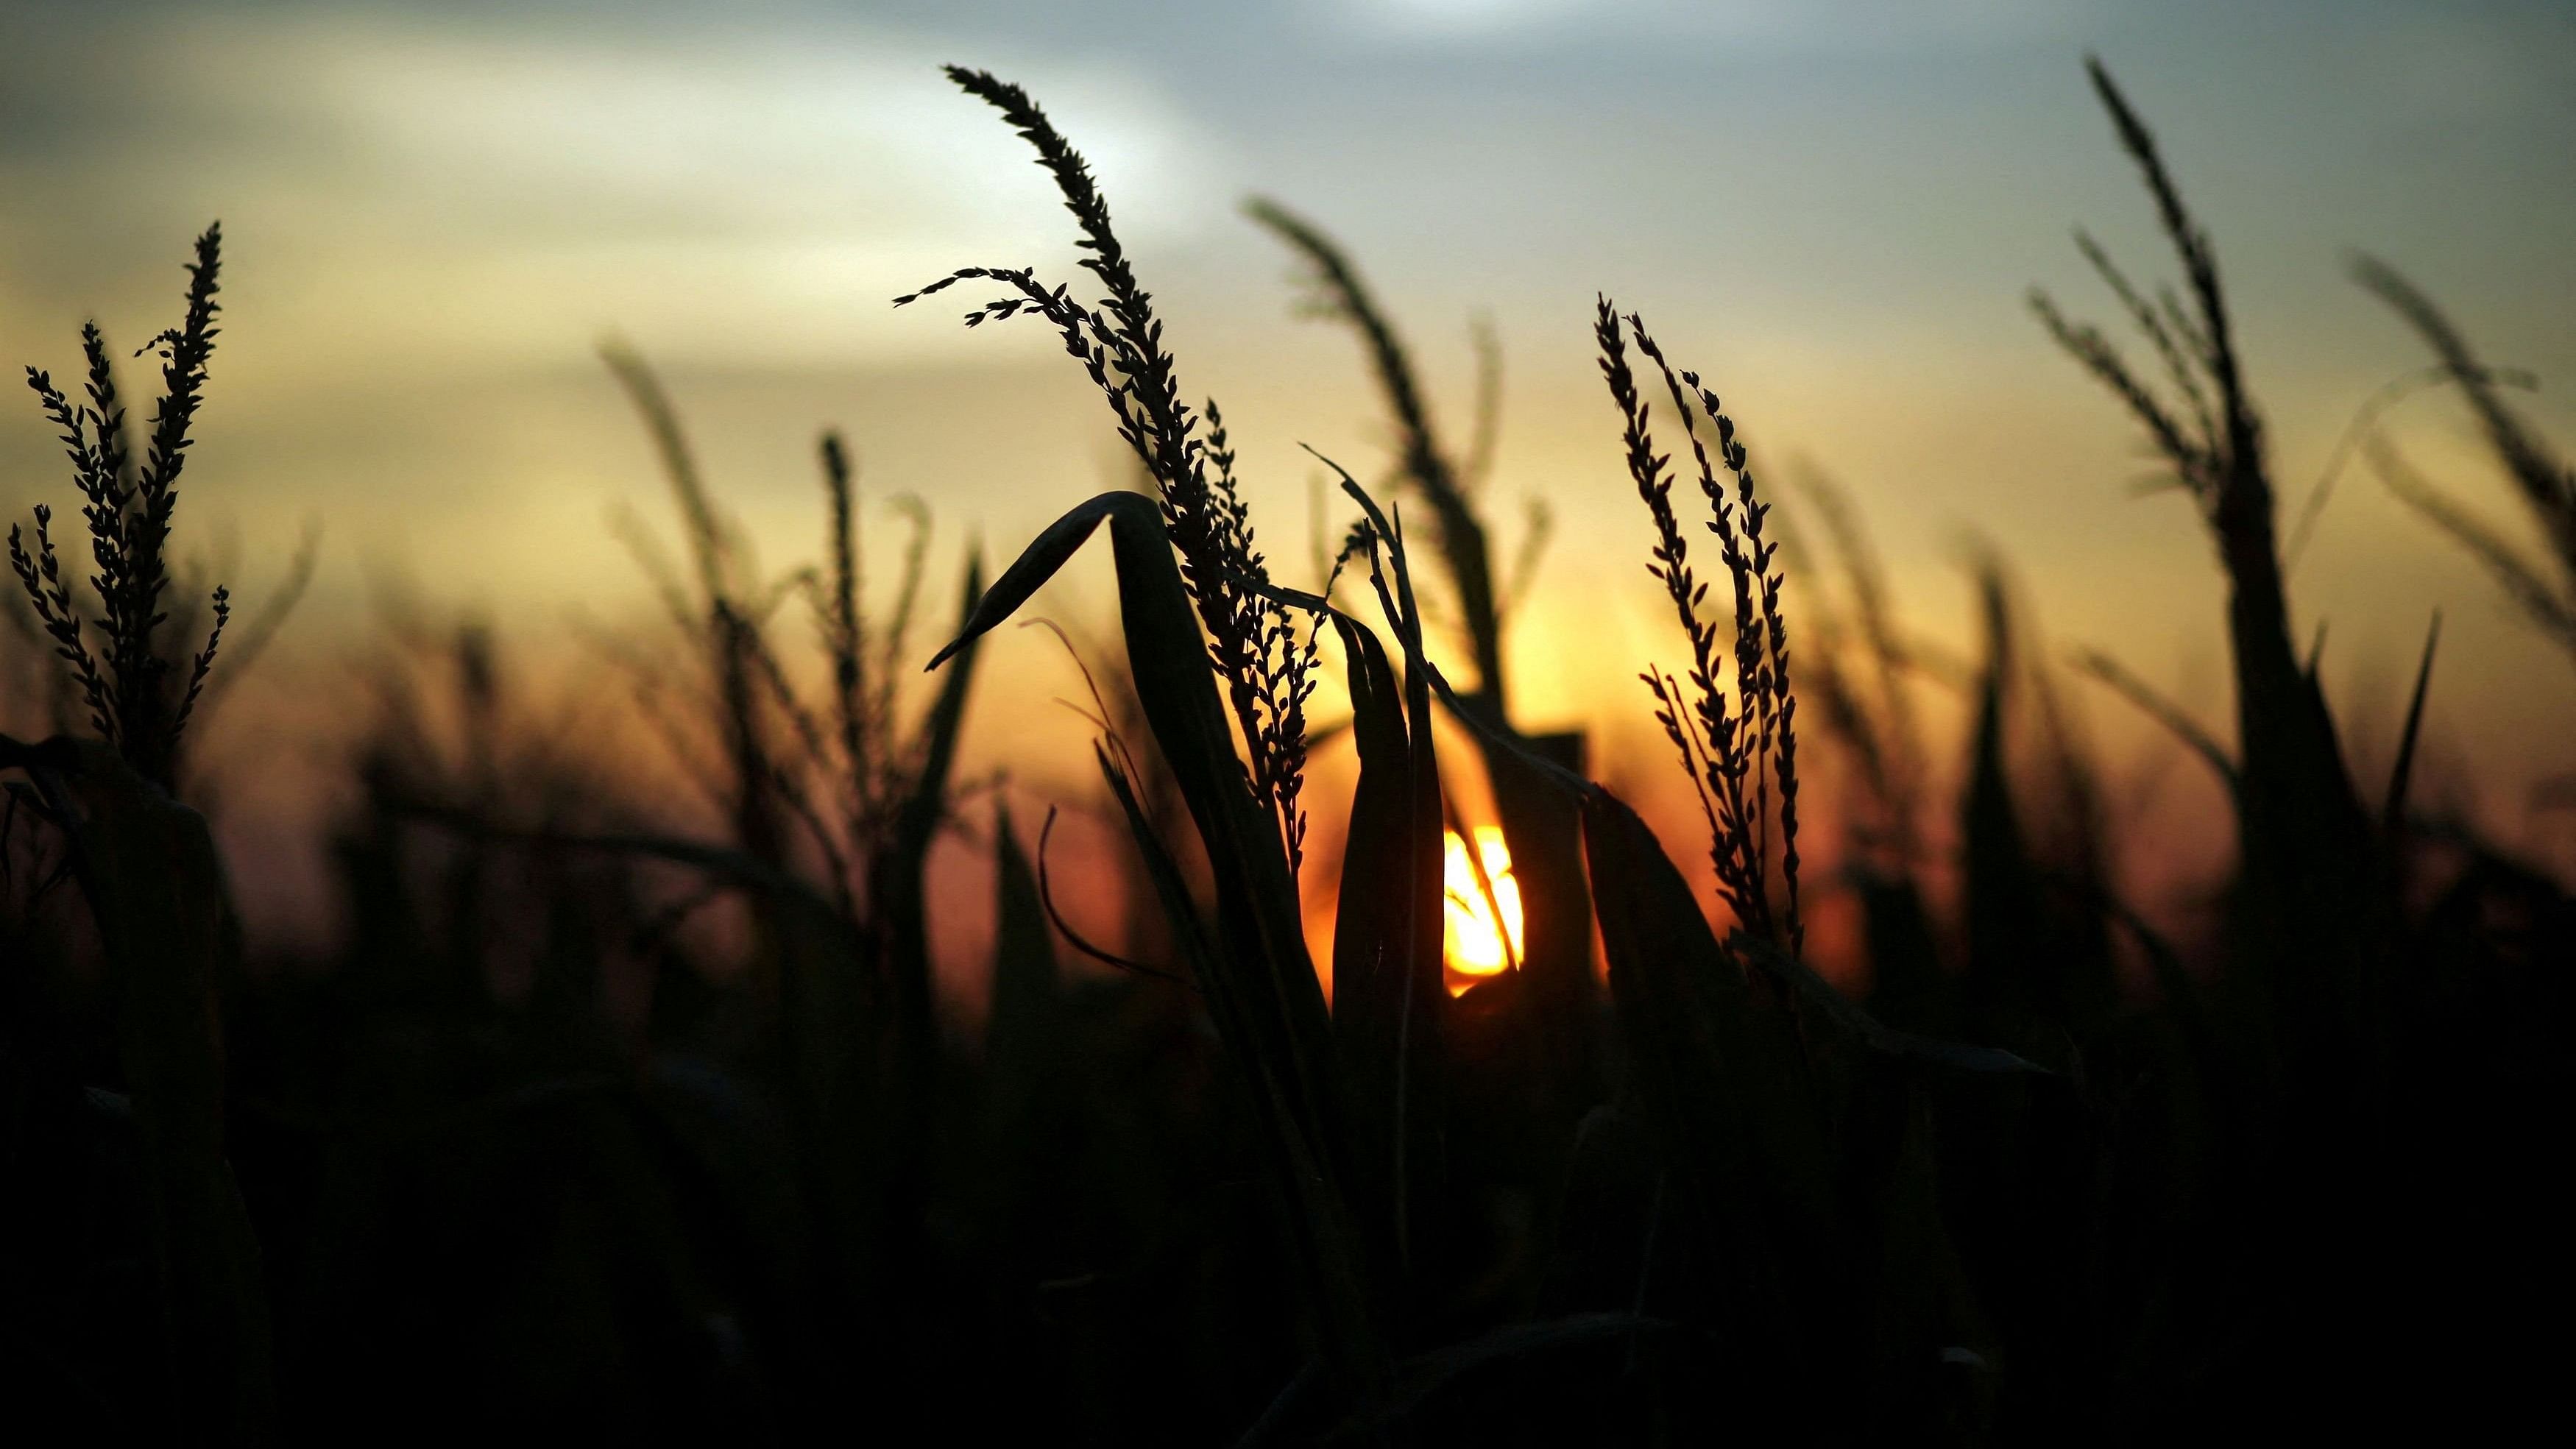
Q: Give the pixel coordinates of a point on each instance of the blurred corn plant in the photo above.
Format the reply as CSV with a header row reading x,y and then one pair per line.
x,y
2543,483
2308,854
2338,1039
838,783
760,1137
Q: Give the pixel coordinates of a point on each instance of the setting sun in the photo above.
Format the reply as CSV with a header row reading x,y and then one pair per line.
x,y
1473,942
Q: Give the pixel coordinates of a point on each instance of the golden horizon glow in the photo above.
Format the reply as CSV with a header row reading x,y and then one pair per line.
x,y
1473,942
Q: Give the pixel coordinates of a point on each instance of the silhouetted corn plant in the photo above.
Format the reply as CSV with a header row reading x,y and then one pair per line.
x,y
1809,1261
778,1206
1254,970
1552,979
1266,672
1734,752
126,509
1348,1101
148,871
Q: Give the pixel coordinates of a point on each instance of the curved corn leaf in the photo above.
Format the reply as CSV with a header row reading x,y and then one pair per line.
x,y
1263,939
1259,982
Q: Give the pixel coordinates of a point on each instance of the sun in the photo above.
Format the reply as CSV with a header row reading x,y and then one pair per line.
x,y
1474,941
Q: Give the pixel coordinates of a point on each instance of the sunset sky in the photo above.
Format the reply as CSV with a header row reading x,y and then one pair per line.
x,y
1833,209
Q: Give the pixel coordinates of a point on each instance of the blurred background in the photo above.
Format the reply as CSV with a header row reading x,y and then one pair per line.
x,y
434,215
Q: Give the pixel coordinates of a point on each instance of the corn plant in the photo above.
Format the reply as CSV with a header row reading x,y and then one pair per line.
x,y
139,696
147,869
1552,975
2308,851
2544,483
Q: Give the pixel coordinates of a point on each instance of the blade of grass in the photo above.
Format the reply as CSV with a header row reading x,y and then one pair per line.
x,y
2393,812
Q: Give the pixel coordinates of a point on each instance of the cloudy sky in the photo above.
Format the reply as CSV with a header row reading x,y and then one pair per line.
x,y
1833,208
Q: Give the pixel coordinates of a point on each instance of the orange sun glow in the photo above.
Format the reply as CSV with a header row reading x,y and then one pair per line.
x,y
1474,942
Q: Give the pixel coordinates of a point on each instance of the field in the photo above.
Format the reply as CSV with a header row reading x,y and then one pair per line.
x,y
1368,1068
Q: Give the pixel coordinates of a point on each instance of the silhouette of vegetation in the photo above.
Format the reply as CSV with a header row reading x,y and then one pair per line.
x,y
1552,967
2545,593
613,1110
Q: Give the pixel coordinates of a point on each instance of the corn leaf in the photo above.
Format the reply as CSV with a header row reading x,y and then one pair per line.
x,y
1258,979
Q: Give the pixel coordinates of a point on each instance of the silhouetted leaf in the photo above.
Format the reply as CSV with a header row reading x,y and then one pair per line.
x,y
1258,980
